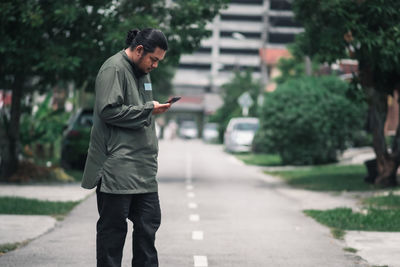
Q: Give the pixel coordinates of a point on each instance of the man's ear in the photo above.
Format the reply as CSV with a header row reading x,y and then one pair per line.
x,y
139,50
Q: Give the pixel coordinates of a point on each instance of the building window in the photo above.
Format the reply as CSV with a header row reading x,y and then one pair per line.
x,y
280,5
243,51
280,38
195,66
241,18
283,22
247,2
204,50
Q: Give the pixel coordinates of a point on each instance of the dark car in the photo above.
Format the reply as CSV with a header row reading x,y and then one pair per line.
x,y
75,140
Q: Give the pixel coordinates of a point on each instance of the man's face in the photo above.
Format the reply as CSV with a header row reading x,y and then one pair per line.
x,y
148,62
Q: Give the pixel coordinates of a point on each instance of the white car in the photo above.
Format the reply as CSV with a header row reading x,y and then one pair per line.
x,y
210,132
240,133
188,130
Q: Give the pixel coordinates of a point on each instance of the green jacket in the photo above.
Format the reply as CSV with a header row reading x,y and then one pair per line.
x,y
123,146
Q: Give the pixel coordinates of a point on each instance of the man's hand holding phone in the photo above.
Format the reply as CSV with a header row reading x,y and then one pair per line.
x,y
160,108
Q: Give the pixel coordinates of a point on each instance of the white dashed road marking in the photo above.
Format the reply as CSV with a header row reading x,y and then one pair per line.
x,y
200,261
194,217
197,235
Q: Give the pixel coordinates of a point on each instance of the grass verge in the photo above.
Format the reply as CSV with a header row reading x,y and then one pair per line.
x,y
4,248
26,206
260,159
338,233
390,201
383,216
327,178
351,250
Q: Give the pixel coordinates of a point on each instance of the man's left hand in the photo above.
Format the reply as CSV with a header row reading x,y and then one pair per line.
x,y
160,108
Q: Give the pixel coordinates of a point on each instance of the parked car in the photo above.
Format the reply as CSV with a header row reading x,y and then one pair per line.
x,y
188,130
75,140
239,134
210,132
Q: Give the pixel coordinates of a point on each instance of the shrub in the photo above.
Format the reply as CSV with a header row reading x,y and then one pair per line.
x,y
308,120
261,142
29,172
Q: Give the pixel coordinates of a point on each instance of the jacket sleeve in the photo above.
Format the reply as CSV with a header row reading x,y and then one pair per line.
x,y
110,102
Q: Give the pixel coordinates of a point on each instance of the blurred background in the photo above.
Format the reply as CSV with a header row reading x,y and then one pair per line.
x,y
306,89
227,59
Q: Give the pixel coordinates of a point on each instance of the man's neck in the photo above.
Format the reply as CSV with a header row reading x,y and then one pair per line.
x,y
134,62
129,53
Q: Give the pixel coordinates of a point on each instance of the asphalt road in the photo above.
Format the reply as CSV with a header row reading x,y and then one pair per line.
x,y
216,212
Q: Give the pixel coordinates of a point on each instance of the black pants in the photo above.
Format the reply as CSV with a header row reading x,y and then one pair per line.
x,y
144,211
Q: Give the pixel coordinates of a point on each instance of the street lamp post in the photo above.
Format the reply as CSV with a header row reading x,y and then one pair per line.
x,y
264,43
215,54
241,37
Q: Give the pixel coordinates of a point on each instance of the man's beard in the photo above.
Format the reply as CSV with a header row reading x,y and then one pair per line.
x,y
140,68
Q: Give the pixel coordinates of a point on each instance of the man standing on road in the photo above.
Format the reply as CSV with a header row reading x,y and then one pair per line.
x,y
122,156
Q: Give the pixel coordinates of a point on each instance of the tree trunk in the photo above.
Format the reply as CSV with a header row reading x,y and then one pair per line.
x,y
9,162
386,163
396,146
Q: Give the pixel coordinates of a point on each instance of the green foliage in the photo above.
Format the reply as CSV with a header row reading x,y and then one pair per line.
x,y
390,201
361,138
44,43
308,120
58,40
4,248
183,23
369,30
346,219
338,233
262,144
293,67
327,178
18,205
351,250
290,68
43,126
260,159
231,91
80,144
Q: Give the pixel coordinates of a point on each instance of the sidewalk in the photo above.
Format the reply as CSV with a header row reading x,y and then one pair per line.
x,y
22,228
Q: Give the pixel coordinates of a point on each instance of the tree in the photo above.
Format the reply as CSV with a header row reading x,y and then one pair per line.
x,y
368,31
183,22
46,42
294,66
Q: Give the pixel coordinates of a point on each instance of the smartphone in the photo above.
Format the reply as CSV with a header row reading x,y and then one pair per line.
x,y
173,99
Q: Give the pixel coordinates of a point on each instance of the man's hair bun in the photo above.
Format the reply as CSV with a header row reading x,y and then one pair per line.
x,y
149,38
131,36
